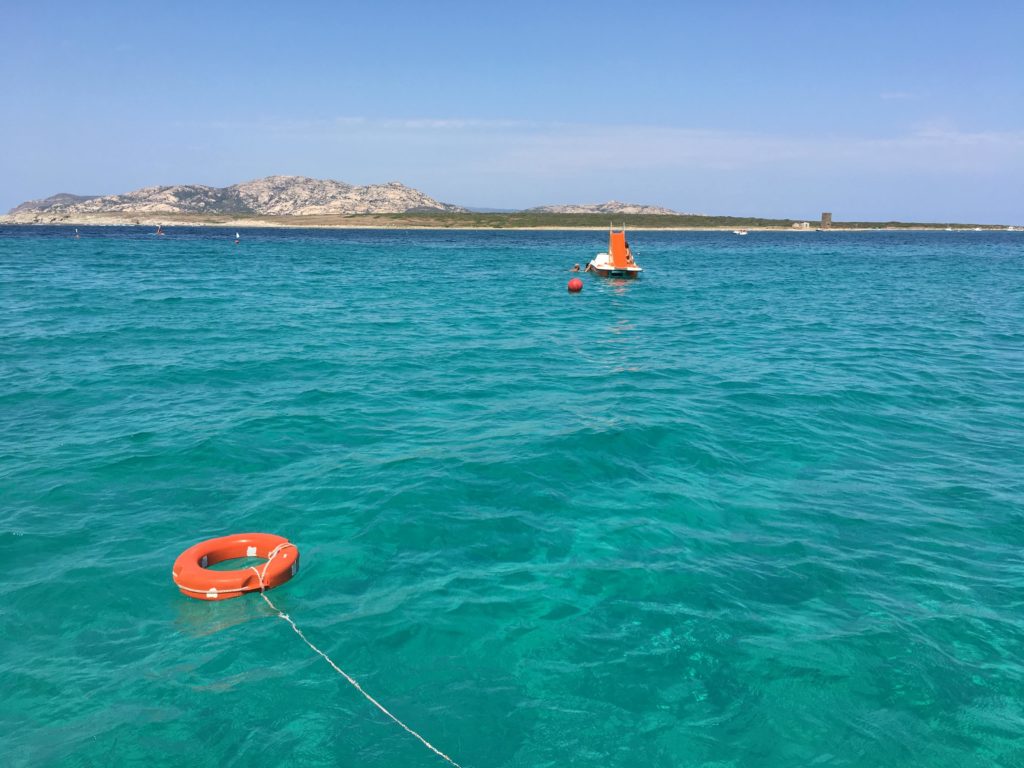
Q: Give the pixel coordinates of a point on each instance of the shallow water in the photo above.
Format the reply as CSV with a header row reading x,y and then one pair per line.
x,y
763,507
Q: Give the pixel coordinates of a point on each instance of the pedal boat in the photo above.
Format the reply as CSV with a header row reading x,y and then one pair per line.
x,y
618,261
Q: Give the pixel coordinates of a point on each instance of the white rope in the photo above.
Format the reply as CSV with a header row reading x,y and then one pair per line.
x,y
219,591
339,670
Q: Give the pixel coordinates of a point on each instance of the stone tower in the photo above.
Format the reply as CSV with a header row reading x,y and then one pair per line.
x,y
826,220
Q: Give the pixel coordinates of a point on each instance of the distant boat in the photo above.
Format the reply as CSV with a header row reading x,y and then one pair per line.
x,y
76,233
977,229
618,261
159,230
739,231
949,229
238,238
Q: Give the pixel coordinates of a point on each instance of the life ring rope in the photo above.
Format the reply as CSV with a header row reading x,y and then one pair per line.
x,y
353,682
261,577
270,558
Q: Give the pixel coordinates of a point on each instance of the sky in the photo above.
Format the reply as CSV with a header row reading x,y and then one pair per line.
x,y
871,110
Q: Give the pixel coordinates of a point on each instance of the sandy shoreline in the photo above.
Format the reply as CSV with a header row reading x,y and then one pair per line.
x,y
370,222
240,225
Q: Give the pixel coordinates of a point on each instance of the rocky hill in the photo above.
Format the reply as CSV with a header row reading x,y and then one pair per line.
x,y
613,207
272,196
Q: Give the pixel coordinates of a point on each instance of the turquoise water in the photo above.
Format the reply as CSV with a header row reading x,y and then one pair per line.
x,y
763,507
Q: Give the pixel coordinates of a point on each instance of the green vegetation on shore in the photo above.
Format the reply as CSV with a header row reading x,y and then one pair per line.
x,y
470,220
527,219
539,220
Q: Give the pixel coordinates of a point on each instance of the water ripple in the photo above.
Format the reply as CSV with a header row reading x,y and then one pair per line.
x,y
762,507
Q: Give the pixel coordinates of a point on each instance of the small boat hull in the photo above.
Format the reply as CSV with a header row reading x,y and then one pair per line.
x,y
628,274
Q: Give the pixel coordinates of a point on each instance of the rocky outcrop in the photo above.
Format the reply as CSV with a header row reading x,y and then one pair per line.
x,y
301,196
59,201
272,196
613,207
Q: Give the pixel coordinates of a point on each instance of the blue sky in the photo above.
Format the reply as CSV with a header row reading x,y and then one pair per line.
x,y
908,110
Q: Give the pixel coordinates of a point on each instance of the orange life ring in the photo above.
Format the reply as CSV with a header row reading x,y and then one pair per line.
x,y
194,578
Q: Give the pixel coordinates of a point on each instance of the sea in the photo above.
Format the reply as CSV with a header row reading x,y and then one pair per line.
x,y
763,507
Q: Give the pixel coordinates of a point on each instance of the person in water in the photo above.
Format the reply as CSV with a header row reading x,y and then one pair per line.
x,y
575,267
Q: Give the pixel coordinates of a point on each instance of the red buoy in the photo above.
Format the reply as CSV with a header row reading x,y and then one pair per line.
x,y
575,285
